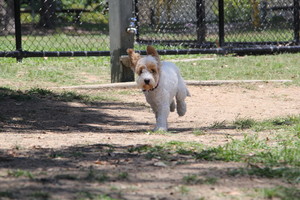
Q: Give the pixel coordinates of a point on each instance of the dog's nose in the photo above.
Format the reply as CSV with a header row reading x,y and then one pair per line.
x,y
147,81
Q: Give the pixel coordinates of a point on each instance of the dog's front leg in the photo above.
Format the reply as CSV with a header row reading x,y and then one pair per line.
x,y
161,116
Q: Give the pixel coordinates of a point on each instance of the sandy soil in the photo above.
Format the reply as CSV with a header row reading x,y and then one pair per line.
x,y
74,150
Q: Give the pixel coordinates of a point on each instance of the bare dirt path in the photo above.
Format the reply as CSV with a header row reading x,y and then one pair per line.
x,y
77,151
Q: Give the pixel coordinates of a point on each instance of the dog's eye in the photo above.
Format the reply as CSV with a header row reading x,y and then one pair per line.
x,y
140,71
153,71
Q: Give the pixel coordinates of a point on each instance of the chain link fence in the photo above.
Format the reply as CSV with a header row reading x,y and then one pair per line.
x,y
218,23
80,27
54,26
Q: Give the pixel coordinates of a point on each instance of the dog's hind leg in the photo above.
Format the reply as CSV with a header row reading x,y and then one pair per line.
x,y
182,93
181,107
172,106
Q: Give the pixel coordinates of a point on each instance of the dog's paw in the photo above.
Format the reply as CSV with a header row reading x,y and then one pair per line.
x,y
181,108
158,129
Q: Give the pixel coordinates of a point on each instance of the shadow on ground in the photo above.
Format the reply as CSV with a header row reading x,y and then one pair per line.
x,y
42,110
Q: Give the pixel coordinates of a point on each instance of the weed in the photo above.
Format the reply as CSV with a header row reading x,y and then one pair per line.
x,y
218,125
123,176
183,189
90,196
94,175
158,132
193,179
139,148
39,91
20,173
244,123
198,132
291,175
280,192
190,179
40,195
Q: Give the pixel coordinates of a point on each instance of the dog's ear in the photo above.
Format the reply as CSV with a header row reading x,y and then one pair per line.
x,y
133,57
152,52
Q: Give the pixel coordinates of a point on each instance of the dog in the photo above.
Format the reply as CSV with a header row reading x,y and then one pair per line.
x,y
161,83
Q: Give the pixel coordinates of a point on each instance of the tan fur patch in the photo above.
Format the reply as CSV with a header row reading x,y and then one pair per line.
x,y
152,52
134,57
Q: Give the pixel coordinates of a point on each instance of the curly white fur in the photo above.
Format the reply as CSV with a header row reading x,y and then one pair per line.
x,y
161,83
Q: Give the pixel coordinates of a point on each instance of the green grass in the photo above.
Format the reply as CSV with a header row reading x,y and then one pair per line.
x,y
268,67
283,193
20,173
91,196
193,179
67,96
41,72
58,42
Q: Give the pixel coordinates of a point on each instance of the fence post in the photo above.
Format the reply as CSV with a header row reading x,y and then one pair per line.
x,y
221,23
201,28
120,12
296,21
18,31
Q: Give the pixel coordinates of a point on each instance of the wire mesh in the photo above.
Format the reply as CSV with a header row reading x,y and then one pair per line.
x,y
82,25
196,23
7,26
57,25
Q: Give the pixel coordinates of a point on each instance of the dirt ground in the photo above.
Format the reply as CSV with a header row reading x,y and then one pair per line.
x,y
73,150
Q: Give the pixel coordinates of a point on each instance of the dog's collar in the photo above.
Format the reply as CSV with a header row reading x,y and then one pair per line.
x,y
152,88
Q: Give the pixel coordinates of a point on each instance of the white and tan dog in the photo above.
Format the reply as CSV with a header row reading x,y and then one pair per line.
x,y
160,82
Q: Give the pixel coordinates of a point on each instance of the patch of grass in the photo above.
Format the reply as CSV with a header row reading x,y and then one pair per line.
x,y
183,148
267,67
139,148
283,193
184,190
292,175
254,150
123,176
40,93
198,132
85,195
218,125
20,173
40,195
40,72
194,179
158,132
94,175
6,194
167,151
244,123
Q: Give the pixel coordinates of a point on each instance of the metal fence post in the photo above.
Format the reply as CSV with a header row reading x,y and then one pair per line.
x,y
18,31
201,27
120,12
221,23
296,21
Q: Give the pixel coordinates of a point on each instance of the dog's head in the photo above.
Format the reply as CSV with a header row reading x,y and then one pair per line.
x,y
146,67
